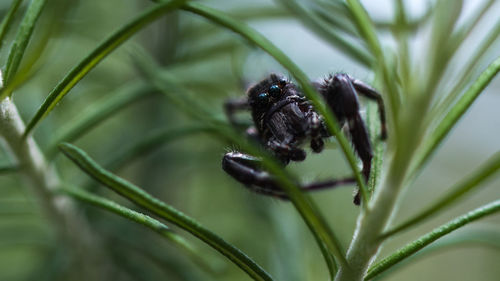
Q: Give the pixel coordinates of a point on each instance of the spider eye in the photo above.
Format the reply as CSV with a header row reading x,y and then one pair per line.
x,y
282,82
263,97
274,90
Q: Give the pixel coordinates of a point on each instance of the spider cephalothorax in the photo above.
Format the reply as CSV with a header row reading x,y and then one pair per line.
x,y
284,120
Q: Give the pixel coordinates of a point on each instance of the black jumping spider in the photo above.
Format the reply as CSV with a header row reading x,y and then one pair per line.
x,y
284,120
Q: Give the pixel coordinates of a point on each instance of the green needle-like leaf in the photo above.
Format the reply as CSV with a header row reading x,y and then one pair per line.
x,y
137,217
154,205
482,174
152,141
455,113
21,40
328,33
482,236
446,15
100,111
468,70
373,124
427,239
7,20
368,32
8,169
97,55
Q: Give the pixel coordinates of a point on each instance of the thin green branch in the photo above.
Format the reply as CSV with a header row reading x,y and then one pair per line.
x,y
373,124
412,24
7,20
166,83
482,236
153,141
401,34
4,169
42,180
32,61
21,40
427,239
367,30
97,55
457,38
145,200
139,218
100,111
200,32
485,172
335,14
365,26
446,16
318,26
466,29
455,113
468,70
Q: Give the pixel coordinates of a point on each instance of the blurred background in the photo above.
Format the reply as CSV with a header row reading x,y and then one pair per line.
x,y
185,171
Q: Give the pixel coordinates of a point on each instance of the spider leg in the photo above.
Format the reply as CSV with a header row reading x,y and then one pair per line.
x,y
245,169
317,132
231,106
341,96
370,93
286,152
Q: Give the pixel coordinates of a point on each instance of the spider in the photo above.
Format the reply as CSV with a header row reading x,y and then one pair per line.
x,y
284,120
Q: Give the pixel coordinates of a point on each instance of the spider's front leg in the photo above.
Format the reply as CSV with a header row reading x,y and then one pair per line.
x,y
370,93
247,170
340,94
231,106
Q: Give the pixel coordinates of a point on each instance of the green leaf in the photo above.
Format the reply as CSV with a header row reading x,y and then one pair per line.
x,y
325,31
485,172
373,124
367,30
153,141
427,239
468,70
7,20
484,237
168,85
100,111
455,113
195,31
4,169
32,61
154,205
97,55
137,217
22,39
446,15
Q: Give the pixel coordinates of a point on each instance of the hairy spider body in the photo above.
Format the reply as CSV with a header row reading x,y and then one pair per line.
x,y
284,120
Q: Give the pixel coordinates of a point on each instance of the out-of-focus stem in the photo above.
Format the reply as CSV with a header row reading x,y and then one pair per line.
x,y
371,223
42,180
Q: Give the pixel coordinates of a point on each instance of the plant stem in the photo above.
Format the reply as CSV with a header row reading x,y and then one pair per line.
x,y
42,179
371,223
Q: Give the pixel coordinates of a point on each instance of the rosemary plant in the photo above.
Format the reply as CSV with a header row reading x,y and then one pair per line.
x,y
173,88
